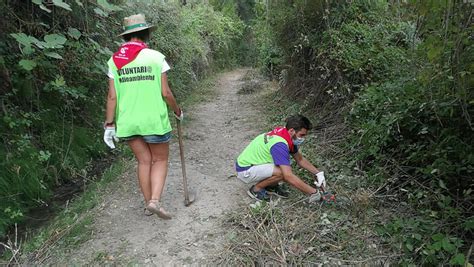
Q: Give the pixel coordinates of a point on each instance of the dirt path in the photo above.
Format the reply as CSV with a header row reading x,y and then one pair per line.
x,y
123,234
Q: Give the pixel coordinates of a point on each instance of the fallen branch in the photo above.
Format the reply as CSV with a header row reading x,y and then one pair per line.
x,y
42,253
469,254
13,247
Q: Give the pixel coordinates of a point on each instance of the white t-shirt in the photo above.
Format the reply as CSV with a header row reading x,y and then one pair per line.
x,y
164,68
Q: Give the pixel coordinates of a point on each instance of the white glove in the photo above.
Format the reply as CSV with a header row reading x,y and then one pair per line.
x,y
181,115
313,198
110,137
320,180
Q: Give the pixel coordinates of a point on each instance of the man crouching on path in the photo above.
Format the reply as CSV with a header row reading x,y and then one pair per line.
x,y
266,161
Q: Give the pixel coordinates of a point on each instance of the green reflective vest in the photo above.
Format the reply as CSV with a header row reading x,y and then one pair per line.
x,y
141,109
258,151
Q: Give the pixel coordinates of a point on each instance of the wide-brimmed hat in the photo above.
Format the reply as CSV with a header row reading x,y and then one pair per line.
x,y
135,23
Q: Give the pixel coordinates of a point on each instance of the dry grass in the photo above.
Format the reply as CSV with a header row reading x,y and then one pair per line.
x,y
296,233
14,248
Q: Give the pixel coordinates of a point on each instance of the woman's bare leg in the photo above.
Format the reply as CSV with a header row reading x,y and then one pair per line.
x,y
159,168
143,154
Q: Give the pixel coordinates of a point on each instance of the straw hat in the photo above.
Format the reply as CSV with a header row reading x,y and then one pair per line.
x,y
135,23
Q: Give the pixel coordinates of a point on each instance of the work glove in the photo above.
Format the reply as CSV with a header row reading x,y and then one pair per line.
x,y
110,136
320,180
181,115
314,198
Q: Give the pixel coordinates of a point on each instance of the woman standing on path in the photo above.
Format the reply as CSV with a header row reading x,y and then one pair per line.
x,y
136,108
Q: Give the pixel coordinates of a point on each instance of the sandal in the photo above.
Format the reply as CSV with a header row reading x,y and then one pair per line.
x,y
155,207
147,212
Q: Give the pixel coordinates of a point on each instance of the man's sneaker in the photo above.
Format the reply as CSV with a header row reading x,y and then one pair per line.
x,y
260,195
278,190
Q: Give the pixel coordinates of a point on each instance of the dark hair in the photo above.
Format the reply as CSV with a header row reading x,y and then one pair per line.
x,y
298,122
143,35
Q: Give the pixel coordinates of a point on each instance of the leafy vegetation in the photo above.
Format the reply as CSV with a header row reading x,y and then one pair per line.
x,y
53,68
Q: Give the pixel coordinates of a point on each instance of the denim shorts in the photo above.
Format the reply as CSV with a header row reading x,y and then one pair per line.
x,y
150,139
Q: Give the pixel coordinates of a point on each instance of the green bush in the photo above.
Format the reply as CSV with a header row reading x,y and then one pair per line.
x,y
51,60
418,237
417,129
328,52
399,120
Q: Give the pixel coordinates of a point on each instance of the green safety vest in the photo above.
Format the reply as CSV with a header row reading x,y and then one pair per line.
x,y
141,109
258,151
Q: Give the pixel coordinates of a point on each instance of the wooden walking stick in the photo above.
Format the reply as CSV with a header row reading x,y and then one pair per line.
x,y
189,197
